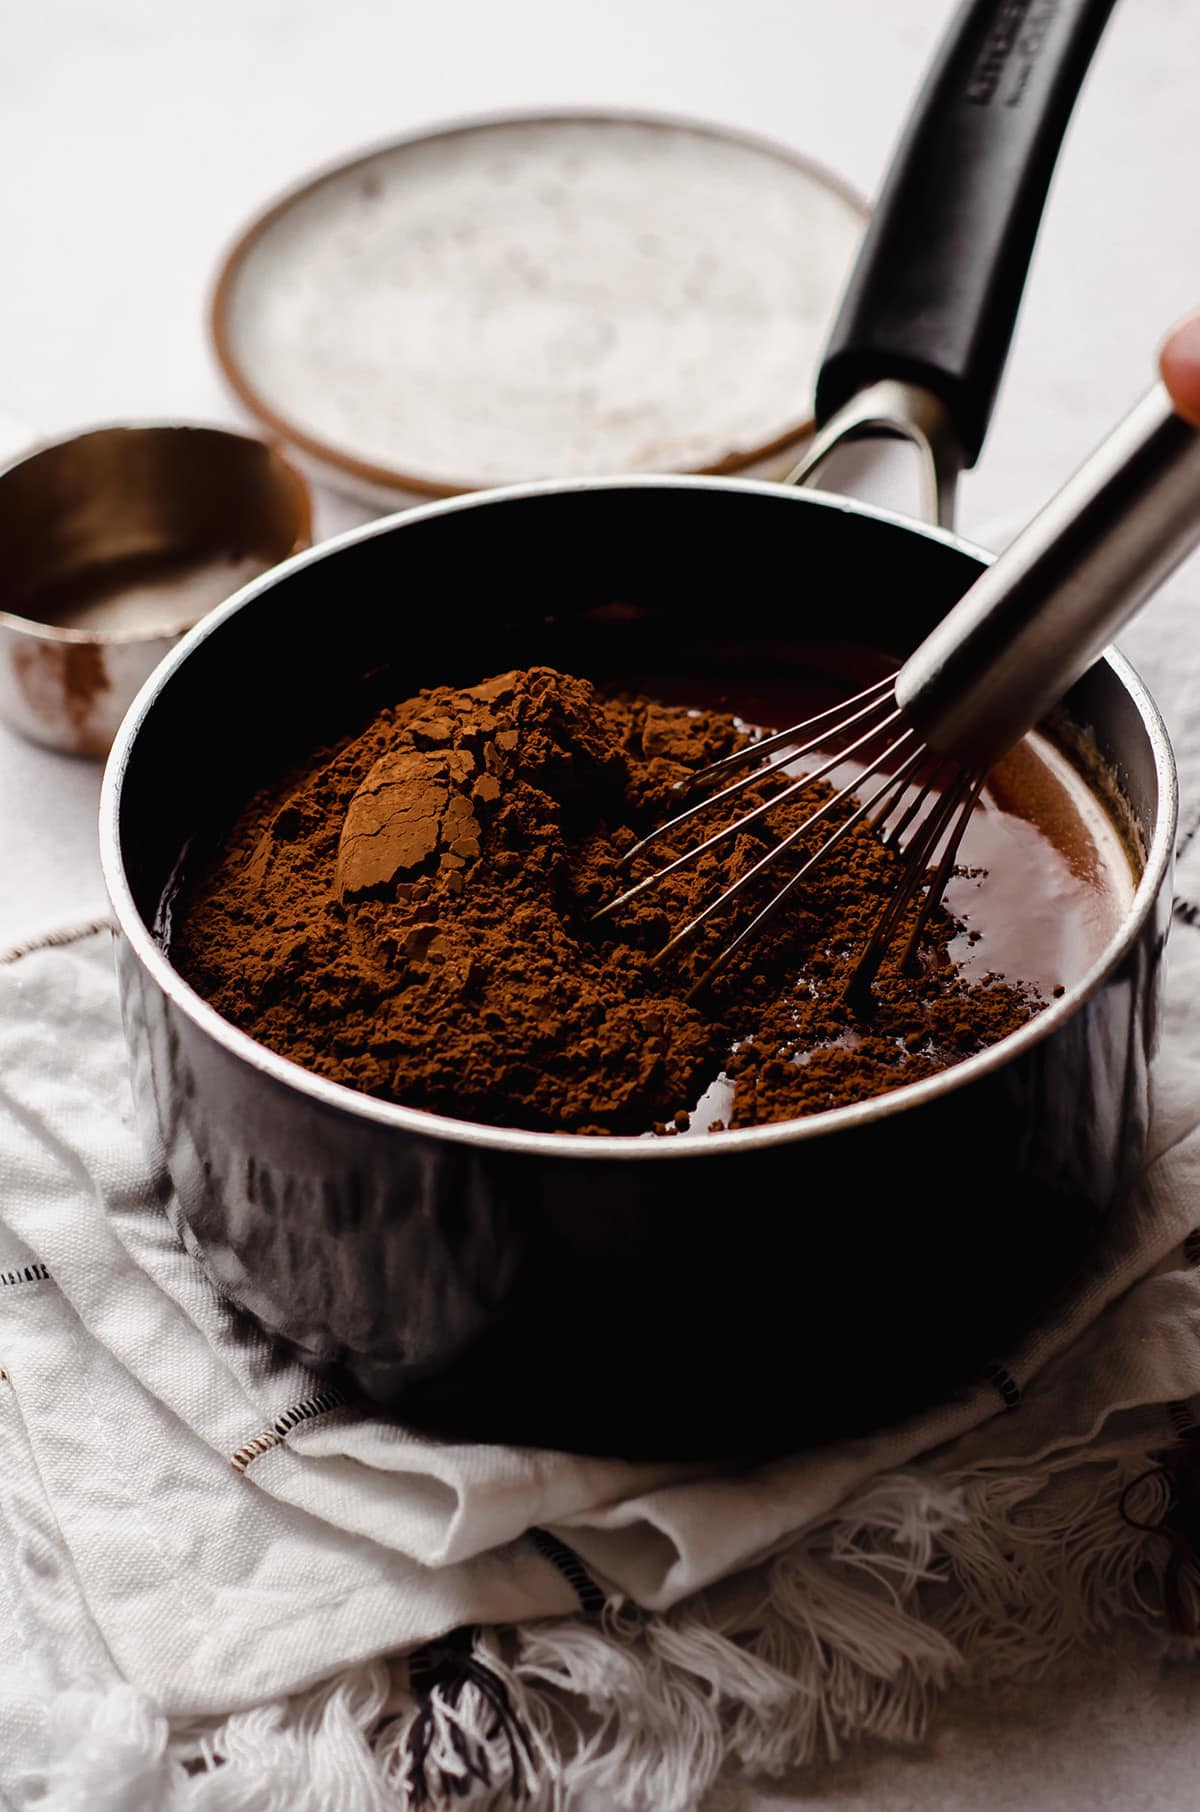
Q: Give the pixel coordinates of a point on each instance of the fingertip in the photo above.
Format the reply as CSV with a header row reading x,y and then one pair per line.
x,y
1179,364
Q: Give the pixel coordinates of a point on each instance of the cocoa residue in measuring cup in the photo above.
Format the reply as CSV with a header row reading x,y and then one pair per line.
x,y
411,912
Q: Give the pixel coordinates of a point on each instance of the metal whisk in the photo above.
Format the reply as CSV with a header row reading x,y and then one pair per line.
x,y
1030,625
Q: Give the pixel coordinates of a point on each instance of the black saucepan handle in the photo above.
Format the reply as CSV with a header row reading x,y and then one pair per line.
x,y
934,295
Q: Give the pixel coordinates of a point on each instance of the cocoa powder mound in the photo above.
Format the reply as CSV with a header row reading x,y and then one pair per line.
x,y
412,913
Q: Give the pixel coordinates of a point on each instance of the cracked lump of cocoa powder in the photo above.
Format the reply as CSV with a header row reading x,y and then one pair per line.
x,y
411,912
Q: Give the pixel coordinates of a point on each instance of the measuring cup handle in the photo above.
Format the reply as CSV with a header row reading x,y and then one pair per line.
x,y
934,296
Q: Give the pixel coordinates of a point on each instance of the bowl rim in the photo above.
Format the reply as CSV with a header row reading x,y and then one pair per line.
x,y
379,478
601,1147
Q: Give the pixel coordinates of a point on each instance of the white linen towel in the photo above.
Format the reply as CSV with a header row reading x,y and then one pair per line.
x,y
213,1567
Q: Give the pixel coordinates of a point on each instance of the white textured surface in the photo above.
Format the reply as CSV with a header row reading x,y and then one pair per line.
x,y
1116,1730
538,299
137,137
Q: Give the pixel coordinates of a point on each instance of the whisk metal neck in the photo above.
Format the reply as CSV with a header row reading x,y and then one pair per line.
x,y
1038,617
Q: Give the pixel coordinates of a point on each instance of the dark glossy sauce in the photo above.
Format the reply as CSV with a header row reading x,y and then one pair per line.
x,y
1043,879
1044,882
1049,875
1045,876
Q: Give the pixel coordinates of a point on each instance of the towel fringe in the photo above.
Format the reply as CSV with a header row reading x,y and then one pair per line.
x,y
464,1737
852,1632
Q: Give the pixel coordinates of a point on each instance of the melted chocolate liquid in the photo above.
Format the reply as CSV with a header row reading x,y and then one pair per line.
x,y
1055,878
1042,884
1044,878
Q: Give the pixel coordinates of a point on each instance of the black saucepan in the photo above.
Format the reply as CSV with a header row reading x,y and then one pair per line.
x,y
748,1291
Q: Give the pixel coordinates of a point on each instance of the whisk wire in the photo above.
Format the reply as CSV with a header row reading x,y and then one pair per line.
x,y
891,834
918,857
937,887
890,784
878,694
1009,649
758,775
921,805
740,824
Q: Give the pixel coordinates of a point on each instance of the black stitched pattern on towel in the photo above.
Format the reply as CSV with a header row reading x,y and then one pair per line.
x,y
26,1274
440,1674
1003,1381
591,1598
315,1405
308,1407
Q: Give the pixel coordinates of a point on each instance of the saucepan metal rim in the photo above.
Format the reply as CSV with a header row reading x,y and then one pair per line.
x,y
601,1147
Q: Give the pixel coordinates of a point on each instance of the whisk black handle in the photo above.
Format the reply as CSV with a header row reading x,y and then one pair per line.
x,y
1040,614
934,296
